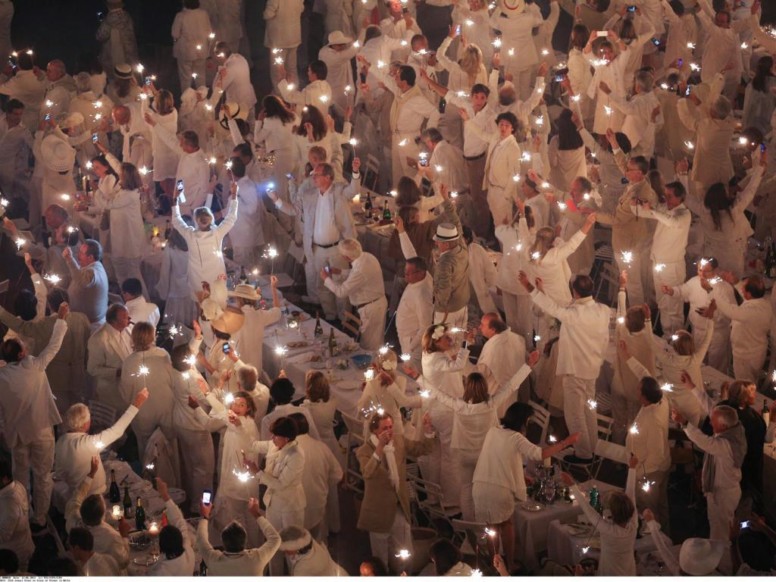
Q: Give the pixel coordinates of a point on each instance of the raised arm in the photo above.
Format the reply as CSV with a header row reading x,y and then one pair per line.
x,y
57,336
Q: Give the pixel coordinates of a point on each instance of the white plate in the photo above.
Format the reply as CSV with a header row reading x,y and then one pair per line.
x,y
532,507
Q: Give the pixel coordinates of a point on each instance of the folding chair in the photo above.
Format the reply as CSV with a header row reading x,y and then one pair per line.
x,y
605,424
352,324
607,274
467,536
371,173
430,501
355,439
540,418
102,415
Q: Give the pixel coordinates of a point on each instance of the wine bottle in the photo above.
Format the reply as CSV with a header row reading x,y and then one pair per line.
x,y
386,212
114,493
368,205
318,332
766,414
127,503
140,515
332,343
243,276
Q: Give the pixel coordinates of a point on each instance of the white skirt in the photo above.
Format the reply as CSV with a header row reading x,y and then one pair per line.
x,y
492,503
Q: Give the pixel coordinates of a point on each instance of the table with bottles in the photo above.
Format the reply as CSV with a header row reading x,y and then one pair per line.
x,y
548,501
137,496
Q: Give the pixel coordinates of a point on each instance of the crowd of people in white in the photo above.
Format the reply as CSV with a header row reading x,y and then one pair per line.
x,y
524,176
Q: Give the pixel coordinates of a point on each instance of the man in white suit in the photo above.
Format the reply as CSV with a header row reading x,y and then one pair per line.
x,y
108,348
29,414
284,33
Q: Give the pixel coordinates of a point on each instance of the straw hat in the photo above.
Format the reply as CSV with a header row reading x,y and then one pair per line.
x,y
446,232
57,154
294,538
230,322
122,71
245,291
701,556
337,37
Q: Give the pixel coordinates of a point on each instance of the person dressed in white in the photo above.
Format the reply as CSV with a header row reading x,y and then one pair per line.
x,y
416,307
321,406
751,324
250,337
108,347
74,449
25,394
308,557
721,475
247,235
516,23
139,308
610,70
27,88
584,335
327,219
669,245
236,559
317,92
15,532
15,148
475,415
137,139
502,356
206,260
322,473
148,367
364,289
482,274
618,534
190,34
499,482
517,303
234,78
283,34
337,55
163,112
697,291
176,553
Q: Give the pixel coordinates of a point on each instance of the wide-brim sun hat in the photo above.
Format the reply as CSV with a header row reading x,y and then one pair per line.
x,y
230,322
701,556
446,232
338,37
294,538
57,154
245,291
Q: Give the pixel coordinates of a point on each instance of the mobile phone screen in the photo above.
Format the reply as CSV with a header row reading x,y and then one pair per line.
x,y
207,497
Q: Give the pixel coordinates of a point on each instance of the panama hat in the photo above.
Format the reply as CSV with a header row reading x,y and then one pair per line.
x,y
337,37
245,291
230,322
58,155
293,538
446,232
122,71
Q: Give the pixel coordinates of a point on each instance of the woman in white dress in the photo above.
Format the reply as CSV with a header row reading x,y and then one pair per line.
x,y
126,226
322,406
566,153
312,131
475,414
466,71
163,112
173,282
498,481
274,132
618,532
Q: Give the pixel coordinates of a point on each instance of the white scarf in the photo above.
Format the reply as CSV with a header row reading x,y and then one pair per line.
x,y
390,457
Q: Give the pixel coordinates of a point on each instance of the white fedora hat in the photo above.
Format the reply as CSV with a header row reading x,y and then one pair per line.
x,y
701,556
337,37
57,154
245,291
294,538
446,232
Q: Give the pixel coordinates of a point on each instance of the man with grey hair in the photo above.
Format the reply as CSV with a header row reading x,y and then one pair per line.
x,y
327,219
94,108
88,290
60,88
74,450
365,289
721,476
642,114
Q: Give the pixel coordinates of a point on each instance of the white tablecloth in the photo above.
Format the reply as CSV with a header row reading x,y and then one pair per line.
x,y
532,527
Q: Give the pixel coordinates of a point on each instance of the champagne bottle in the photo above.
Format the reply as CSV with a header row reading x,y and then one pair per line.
x,y
127,503
386,212
140,515
318,328
368,205
332,343
114,493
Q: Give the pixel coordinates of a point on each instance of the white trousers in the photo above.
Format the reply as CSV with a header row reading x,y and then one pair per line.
x,y
671,306
289,56
402,147
465,463
400,537
749,365
499,203
320,257
517,309
721,510
579,416
186,69
37,456
372,328
636,283
280,518
439,466
197,463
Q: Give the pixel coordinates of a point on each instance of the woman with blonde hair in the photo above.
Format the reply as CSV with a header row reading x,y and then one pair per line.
x,y
469,70
474,415
148,366
322,407
162,109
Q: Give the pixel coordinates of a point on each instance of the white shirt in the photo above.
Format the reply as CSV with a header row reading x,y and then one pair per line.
x,y
485,120
282,475
321,474
415,313
650,443
25,393
190,30
101,565
726,475
317,93
669,242
15,147
142,310
236,81
194,170
250,337
504,354
638,124
584,334
750,328
247,231
412,109
447,163
246,563
184,564
364,283
325,231
482,275
340,72
501,460
74,451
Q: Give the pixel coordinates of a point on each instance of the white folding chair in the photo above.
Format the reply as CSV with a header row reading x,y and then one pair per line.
x,y
467,536
430,501
540,418
605,424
